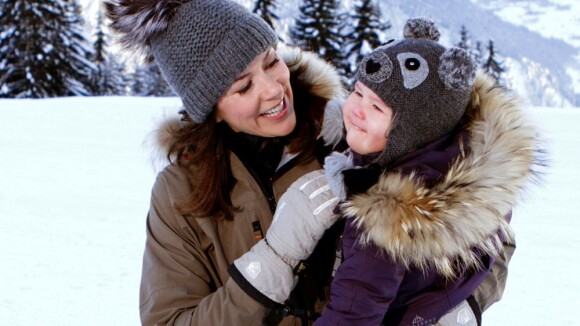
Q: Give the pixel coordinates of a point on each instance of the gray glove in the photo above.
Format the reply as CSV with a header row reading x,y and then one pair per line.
x,y
303,214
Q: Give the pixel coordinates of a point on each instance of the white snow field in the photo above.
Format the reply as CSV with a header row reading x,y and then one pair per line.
x,y
75,180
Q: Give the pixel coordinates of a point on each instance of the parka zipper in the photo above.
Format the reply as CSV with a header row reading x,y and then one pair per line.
x,y
268,190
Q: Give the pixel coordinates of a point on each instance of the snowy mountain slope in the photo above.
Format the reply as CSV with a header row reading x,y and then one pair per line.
x,y
557,19
536,63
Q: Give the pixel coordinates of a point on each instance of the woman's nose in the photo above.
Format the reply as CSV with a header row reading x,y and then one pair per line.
x,y
271,88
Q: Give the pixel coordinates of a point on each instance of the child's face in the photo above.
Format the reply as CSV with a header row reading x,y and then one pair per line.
x,y
367,120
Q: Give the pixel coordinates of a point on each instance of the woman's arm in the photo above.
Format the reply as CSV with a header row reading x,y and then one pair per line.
x,y
487,293
491,289
176,285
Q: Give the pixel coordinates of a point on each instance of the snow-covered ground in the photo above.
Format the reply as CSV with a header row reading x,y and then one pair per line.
x,y
75,180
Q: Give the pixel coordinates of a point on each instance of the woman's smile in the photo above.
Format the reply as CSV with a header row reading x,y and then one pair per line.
x,y
276,112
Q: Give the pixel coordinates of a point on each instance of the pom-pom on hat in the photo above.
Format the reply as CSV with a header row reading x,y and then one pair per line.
x,y
427,85
200,46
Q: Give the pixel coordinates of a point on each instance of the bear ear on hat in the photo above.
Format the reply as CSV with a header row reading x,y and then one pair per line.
x,y
138,20
457,69
421,28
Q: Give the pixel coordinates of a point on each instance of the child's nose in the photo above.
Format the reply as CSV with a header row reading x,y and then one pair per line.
x,y
359,111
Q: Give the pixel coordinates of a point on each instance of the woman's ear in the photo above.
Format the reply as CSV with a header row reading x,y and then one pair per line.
x,y
216,113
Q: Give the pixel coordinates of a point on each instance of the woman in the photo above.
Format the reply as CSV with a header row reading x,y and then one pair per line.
x,y
251,126
437,160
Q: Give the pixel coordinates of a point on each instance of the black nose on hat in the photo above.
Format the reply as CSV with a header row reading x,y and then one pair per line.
x,y
372,67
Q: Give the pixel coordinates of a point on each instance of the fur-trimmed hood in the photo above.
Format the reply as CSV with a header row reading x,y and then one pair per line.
x,y
438,226
314,75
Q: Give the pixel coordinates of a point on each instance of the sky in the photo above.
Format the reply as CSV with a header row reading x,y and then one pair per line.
x,y
76,178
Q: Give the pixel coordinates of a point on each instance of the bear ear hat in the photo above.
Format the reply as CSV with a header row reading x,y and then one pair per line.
x,y
457,69
138,20
421,28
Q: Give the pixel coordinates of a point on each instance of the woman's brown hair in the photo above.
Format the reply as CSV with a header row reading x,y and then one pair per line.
x,y
200,149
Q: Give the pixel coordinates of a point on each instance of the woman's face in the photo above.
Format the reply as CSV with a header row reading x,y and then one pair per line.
x,y
260,101
367,120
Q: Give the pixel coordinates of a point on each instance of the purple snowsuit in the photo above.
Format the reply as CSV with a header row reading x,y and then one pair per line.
x,y
373,287
422,232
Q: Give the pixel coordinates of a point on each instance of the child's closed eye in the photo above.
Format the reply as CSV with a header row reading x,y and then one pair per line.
x,y
377,108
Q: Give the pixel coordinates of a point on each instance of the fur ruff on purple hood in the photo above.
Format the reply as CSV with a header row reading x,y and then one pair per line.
x,y
443,222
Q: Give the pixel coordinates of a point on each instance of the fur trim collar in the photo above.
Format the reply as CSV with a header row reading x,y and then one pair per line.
x,y
318,77
438,227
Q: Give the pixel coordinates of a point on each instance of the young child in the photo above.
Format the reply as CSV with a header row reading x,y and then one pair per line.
x,y
438,158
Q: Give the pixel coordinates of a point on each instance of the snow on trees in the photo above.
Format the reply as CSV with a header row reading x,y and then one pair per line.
x,y
43,52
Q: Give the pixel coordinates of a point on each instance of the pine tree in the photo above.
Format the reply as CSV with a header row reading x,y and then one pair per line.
x,y
108,77
158,85
466,43
265,9
366,34
318,29
43,52
79,52
492,65
477,52
305,27
100,43
465,39
138,80
147,80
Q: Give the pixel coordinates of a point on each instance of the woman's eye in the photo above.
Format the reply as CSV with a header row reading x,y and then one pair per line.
x,y
246,88
274,62
357,93
376,107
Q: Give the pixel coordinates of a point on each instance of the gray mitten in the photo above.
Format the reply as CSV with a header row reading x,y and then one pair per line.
x,y
303,214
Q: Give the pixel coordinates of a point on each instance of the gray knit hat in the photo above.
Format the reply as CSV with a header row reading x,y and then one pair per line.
x,y
427,85
200,46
